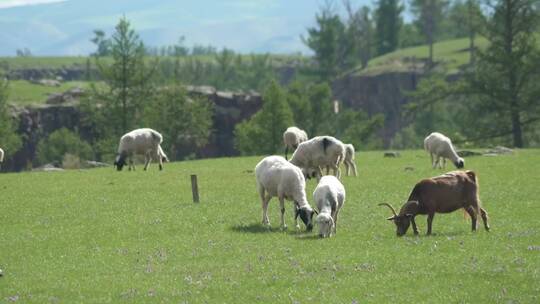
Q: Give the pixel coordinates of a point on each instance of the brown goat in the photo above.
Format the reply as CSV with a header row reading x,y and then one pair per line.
x,y
442,194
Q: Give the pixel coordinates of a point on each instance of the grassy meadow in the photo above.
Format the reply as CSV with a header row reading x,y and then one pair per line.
x,y
101,236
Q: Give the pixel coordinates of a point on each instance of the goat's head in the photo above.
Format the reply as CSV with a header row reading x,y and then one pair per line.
x,y
306,215
402,221
460,163
326,223
120,161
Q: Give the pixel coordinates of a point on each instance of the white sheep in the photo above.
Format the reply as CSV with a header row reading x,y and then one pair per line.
x,y
329,197
319,152
277,177
349,159
143,141
440,146
292,137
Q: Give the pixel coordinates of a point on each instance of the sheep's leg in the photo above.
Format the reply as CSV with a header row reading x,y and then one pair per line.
x,y
265,199
472,213
484,218
432,161
146,161
335,218
286,151
354,168
282,207
160,161
415,229
347,169
131,165
429,222
444,162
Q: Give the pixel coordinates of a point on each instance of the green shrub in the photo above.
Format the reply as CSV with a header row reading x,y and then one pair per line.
x,y
62,142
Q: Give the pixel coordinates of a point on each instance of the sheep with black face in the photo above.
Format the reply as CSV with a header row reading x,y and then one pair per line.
x,y
442,194
143,141
277,177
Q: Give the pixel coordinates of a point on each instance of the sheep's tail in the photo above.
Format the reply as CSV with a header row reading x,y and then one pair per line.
x,y
326,143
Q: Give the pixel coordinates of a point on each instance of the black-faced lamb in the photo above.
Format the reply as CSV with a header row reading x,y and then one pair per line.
x,y
292,137
440,146
277,177
319,152
442,194
329,195
143,141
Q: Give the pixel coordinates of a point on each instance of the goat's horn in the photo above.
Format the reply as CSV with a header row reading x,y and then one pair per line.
x,y
389,206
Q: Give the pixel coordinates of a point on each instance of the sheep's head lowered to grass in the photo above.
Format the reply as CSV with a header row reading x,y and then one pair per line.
x,y
402,220
120,161
306,215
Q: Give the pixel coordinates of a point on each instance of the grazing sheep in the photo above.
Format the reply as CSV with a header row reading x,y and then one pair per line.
x,y
143,141
349,159
329,197
441,194
277,177
292,137
319,152
440,146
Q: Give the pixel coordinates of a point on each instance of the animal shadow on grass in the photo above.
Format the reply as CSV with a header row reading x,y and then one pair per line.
x,y
260,228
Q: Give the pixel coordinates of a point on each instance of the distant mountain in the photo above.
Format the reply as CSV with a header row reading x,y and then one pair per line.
x,y
65,28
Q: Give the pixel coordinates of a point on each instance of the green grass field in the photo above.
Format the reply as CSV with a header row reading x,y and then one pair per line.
x,y
22,92
101,236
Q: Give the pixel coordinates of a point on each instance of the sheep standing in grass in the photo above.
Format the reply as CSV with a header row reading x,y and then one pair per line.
x,y
329,197
440,146
277,177
349,159
143,141
319,152
292,137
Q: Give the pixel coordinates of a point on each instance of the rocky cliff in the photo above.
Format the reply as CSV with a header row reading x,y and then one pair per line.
x,y
37,122
378,93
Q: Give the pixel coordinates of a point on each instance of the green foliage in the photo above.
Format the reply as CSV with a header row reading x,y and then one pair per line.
x,y
10,141
129,80
503,87
322,115
136,237
185,122
355,127
329,42
388,22
62,142
263,132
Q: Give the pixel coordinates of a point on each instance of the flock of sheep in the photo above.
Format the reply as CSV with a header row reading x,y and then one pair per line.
x,y
286,179
278,177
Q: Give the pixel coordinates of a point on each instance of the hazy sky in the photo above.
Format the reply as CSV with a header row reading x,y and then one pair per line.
x,y
64,27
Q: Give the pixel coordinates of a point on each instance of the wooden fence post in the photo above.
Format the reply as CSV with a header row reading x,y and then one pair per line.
x,y
194,188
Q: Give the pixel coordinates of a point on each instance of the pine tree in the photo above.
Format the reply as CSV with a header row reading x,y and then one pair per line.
x,y
388,22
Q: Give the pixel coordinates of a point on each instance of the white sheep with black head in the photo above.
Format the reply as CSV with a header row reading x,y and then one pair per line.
x,y
276,177
439,146
144,141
